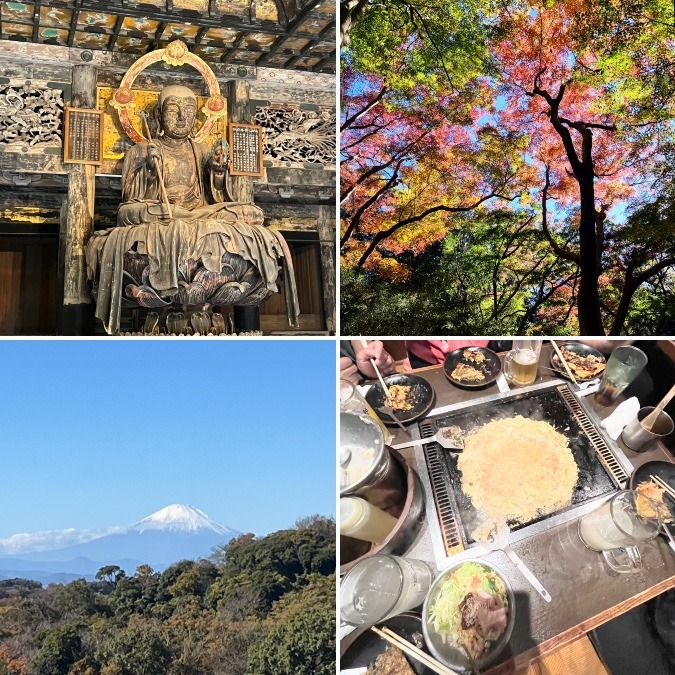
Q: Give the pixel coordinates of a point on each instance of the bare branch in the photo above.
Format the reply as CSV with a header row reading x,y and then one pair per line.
x,y
353,225
360,113
384,234
559,250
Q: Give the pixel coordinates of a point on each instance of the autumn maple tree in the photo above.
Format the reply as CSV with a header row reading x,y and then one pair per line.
x,y
561,112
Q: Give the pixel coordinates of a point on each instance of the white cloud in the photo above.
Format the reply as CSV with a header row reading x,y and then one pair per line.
x,y
25,542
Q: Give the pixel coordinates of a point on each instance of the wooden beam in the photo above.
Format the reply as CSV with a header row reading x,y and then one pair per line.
x,y
238,110
326,228
36,19
305,51
73,22
78,223
158,36
272,50
326,29
304,12
200,36
227,56
115,33
330,59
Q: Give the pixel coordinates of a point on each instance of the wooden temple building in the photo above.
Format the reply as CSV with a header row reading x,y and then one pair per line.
x,y
275,63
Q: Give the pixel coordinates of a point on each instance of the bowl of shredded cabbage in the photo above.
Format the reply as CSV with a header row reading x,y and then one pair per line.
x,y
468,615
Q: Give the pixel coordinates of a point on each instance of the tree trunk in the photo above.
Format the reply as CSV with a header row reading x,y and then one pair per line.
x,y
588,300
629,287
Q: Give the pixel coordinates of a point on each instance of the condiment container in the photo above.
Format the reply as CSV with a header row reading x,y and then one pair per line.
x,y
362,520
635,435
367,468
382,586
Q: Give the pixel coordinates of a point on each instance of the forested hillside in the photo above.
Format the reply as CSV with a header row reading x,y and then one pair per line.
x,y
257,606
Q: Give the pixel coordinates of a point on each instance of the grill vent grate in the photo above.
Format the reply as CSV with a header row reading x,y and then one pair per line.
x,y
452,539
616,471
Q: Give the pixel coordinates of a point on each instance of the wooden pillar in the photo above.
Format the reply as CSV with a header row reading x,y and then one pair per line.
x,y
77,223
326,228
245,318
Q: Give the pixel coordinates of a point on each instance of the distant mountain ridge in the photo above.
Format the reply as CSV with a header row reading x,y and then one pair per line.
x,y
176,532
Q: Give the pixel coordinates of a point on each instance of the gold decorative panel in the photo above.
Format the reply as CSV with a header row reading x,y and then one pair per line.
x,y
260,39
209,53
91,40
266,10
116,141
55,16
90,19
180,30
224,34
16,10
53,34
238,8
17,29
197,5
143,25
133,44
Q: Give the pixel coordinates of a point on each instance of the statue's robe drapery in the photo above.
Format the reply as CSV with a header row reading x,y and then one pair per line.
x,y
206,228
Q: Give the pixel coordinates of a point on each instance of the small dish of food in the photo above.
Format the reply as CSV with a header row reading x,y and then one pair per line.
x,y
585,362
472,367
412,397
661,501
368,654
468,615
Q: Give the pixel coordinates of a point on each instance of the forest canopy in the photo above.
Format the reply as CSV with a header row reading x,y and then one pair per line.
x,y
507,167
254,602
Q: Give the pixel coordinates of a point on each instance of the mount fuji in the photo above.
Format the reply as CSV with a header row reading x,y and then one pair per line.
x,y
176,532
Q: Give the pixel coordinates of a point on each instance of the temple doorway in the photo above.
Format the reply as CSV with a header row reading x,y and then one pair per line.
x,y
28,285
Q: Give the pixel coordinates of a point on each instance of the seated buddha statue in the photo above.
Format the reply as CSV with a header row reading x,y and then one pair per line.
x,y
181,241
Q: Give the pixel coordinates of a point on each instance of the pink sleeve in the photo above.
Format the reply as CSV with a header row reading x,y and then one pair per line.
x,y
434,351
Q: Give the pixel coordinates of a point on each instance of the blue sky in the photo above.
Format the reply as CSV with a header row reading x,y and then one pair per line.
x,y
102,433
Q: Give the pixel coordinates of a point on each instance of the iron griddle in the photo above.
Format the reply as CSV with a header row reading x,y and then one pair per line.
x,y
598,474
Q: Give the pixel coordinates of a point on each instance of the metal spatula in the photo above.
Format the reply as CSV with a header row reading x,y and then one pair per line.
x,y
388,410
498,540
450,441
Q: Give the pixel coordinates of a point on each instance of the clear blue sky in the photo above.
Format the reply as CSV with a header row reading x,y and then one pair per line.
x,y
102,433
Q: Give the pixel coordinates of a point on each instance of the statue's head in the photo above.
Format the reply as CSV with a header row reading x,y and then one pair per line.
x,y
177,109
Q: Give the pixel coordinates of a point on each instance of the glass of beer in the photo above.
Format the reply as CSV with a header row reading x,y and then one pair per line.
x,y
521,363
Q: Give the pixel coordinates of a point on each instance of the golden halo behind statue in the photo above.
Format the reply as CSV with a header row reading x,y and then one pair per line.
x,y
175,53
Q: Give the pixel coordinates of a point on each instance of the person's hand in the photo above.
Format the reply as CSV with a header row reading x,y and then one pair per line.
x,y
221,158
375,350
348,371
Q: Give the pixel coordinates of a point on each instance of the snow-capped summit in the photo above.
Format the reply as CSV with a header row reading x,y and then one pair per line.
x,y
180,518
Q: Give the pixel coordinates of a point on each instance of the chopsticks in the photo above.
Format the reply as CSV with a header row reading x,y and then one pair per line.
x,y
662,484
415,652
364,343
562,359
